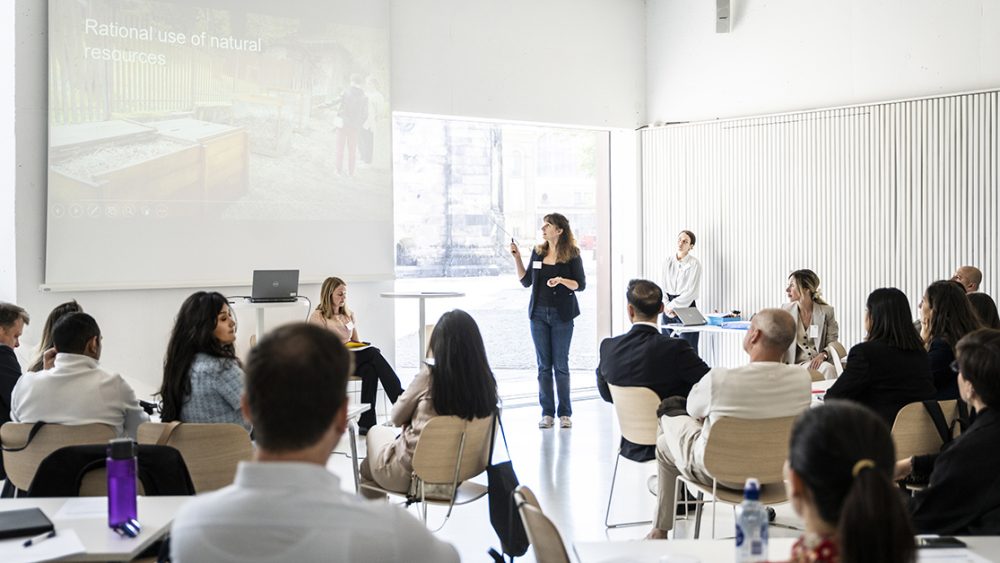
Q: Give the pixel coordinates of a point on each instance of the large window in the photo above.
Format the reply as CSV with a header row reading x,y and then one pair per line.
x,y
462,190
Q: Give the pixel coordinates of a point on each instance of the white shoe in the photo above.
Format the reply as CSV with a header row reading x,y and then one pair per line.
x,y
565,422
546,422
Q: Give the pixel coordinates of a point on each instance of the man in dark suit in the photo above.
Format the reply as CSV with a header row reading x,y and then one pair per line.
x,y
642,357
12,321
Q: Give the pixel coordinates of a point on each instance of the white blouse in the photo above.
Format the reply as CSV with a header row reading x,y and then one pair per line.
x,y
681,278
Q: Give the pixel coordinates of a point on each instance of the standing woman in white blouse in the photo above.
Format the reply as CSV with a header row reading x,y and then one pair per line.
x,y
681,282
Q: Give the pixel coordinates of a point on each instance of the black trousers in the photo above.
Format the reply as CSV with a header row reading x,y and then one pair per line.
x,y
372,368
690,337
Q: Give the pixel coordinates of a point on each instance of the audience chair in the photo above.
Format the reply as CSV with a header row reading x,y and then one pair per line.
x,y
449,452
80,471
816,375
914,432
838,355
210,451
738,449
21,465
546,542
636,410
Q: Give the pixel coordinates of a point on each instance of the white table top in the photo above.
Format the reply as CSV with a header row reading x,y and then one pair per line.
x,y
101,543
722,551
246,302
421,294
705,328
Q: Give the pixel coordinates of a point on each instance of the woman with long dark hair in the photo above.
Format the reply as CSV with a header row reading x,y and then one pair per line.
x,y
986,308
945,317
46,342
889,369
456,381
202,377
369,364
815,324
839,473
555,275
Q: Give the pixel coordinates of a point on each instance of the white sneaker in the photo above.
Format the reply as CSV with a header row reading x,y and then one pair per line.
x,y
546,422
565,422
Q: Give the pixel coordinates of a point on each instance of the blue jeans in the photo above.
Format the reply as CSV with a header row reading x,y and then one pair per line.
x,y
552,336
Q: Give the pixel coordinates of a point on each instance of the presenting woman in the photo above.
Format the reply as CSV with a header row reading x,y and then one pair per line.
x,y
458,382
554,274
681,280
334,315
815,325
202,378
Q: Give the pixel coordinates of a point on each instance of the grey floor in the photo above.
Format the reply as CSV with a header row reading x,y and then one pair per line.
x,y
570,471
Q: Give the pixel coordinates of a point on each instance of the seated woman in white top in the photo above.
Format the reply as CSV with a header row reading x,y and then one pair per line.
x,y
369,364
202,377
815,325
458,382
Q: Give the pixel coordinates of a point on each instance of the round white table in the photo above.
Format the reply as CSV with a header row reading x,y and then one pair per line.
x,y
422,296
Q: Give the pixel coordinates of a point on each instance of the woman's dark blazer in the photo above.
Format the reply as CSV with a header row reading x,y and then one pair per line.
x,y
884,378
941,355
563,297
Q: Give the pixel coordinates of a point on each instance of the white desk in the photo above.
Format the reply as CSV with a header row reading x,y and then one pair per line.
x,y
100,542
354,411
422,296
261,307
722,551
705,328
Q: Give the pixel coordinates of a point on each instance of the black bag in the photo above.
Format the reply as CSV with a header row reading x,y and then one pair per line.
x,y
504,517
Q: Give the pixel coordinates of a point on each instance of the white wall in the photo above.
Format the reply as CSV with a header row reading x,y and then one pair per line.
x,y
8,277
785,55
574,62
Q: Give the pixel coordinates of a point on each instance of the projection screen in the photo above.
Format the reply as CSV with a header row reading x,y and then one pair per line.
x,y
191,142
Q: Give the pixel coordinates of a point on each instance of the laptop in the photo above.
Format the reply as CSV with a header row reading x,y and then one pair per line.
x,y
275,286
690,316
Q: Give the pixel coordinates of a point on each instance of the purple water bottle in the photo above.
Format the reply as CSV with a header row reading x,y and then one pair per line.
x,y
121,467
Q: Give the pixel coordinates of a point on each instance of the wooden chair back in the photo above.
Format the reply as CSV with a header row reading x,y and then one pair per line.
x,y
546,542
21,465
816,375
210,451
436,454
636,410
914,432
838,355
739,448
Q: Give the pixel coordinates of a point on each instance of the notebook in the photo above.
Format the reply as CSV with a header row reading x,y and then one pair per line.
x,y
275,286
24,522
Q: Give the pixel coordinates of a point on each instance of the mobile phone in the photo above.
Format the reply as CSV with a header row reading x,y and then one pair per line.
x,y
940,541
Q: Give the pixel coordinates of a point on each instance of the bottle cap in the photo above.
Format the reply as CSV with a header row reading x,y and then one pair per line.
x,y
751,491
122,448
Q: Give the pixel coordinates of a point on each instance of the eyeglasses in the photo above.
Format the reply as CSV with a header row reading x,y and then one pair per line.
x,y
954,366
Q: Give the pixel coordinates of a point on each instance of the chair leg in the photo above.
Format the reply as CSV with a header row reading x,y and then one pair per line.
x,y
715,504
611,496
697,513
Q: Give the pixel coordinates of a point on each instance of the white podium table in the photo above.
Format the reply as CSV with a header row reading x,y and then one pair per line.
x,y
260,308
422,296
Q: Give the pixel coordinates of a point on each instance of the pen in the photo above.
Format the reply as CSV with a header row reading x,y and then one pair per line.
x,y
40,538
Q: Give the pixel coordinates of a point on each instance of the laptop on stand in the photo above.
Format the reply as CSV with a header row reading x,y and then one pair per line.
x,y
275,286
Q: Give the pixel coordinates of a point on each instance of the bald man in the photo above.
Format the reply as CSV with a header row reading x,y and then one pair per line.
x,y
970,277
765,388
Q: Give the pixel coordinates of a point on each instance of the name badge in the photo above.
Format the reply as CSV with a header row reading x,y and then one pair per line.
x,y
537,264
813,331
350,327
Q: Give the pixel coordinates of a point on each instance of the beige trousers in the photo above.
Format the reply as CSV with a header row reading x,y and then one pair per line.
x,y
675,456
381,464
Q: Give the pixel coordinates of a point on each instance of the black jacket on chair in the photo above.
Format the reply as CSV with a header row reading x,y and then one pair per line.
x,y
161,469
963,497
884,378
642,357
10,372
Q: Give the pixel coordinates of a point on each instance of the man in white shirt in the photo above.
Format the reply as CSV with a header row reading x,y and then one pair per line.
x,y
765,388
285,505
76,390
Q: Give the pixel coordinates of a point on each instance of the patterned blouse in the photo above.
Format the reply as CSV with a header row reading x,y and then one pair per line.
x,y
811,548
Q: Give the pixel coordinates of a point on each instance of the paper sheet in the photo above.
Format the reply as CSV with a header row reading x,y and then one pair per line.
x,y
949,555
83,507
65,543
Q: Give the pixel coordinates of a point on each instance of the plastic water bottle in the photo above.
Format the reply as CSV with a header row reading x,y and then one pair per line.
x,y
121,468
751,525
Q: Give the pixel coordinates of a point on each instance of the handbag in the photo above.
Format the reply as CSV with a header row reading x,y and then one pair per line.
x,y
504,516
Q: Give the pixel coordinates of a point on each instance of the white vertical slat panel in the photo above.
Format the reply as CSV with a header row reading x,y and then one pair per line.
x,y
893,194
